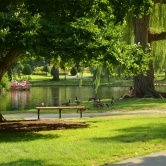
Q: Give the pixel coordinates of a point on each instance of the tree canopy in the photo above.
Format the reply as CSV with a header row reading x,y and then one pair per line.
x,y
74,30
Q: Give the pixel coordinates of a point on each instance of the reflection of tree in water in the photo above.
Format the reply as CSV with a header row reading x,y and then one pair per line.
x,y
19,98
60,95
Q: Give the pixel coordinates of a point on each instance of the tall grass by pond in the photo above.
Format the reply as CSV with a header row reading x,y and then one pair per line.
x,y
103,140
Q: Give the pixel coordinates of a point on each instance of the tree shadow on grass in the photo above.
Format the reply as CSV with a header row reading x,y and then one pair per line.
x,y
25,136
38,125
16,131
29,162
137,134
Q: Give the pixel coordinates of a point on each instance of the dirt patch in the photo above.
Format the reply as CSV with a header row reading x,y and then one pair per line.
x,y
38,125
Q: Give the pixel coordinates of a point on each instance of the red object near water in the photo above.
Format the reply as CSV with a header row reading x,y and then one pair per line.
x,y
23,85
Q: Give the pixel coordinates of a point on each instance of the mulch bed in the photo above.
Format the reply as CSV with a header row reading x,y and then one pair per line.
x,y
38,125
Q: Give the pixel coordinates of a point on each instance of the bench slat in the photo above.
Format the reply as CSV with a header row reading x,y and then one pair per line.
x,y
63,107
60,108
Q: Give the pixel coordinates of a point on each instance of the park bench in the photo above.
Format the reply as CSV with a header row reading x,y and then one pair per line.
x,y
60,108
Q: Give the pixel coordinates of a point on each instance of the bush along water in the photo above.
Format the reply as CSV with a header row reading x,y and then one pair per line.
x,y
4,84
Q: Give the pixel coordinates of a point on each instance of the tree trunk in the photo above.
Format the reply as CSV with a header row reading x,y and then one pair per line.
x,y
143,84
56,75
6,60
140,86
2,119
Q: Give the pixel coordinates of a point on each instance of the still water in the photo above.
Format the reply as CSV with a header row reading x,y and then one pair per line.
x,y
56,95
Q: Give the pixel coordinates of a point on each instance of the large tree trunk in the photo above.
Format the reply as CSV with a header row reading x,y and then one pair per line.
x,y
143,84
56,75
5,61
2,119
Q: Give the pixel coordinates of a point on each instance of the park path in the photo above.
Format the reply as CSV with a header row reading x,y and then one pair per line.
x,y
29,116
154,159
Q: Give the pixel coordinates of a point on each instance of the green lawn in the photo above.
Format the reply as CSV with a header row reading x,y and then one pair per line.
x,y
87,79
103,140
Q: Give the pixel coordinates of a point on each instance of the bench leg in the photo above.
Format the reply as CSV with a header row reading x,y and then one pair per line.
x,y
38,112
60,112
80,113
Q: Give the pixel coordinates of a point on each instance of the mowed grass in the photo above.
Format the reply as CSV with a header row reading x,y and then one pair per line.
x,y
86,79
37,80
103,140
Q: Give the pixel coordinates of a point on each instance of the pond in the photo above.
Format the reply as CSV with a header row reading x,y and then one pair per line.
x,y
56,95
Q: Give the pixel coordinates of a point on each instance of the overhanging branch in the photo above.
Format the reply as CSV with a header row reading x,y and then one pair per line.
x,y
159,1
156,37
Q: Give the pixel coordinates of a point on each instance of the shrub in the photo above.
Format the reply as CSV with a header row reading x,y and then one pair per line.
x,y
55,73
4,82
27,70
73,71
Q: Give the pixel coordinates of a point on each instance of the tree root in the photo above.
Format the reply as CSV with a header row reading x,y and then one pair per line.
x,y
157,94
2,119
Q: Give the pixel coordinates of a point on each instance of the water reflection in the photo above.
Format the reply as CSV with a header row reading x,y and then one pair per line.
x,y
18,99
54,96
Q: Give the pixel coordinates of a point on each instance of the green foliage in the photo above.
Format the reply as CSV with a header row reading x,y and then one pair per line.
x,y
21,78
89,36
158,19
38,70
87,32
158,25
4,83
14,69
97,77
139,8
128,31
160,55
18,29
27,69
136,59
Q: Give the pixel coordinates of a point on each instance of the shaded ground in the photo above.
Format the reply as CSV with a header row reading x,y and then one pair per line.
x,y
38,125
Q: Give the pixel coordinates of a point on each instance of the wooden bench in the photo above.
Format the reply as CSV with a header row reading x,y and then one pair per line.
x,y
60,108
